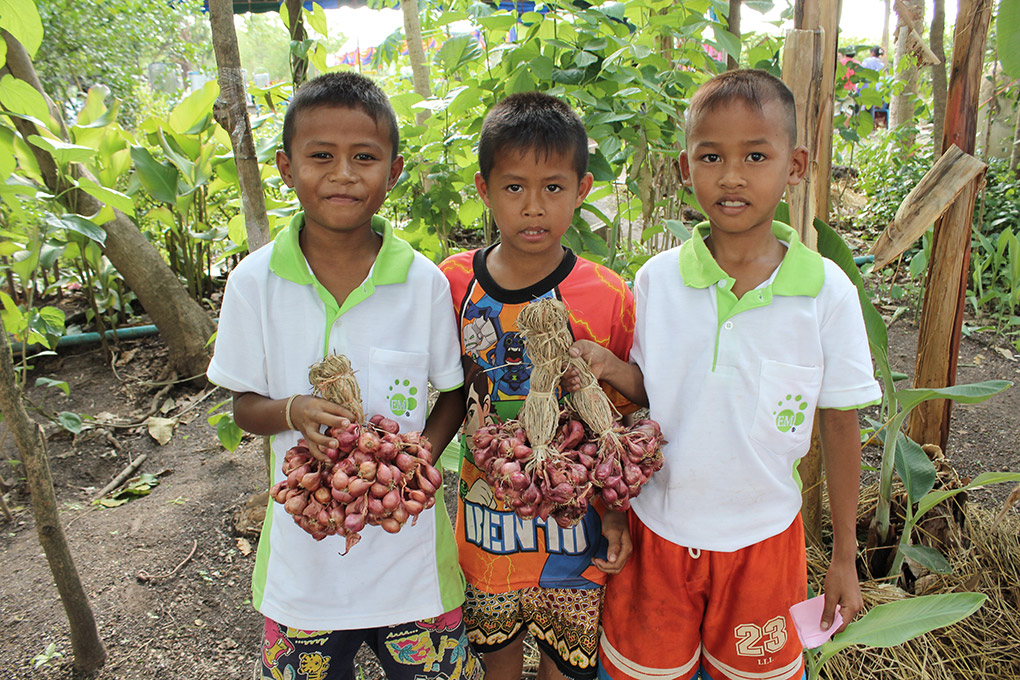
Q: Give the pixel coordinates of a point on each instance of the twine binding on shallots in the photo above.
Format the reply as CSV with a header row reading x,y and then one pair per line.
x,y
333,379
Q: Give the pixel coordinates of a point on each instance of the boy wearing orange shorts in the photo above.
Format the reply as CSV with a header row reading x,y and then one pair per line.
x,y
531,575
742,332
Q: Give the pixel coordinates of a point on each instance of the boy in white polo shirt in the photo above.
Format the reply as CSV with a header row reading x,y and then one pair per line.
x,y
338,280
742,332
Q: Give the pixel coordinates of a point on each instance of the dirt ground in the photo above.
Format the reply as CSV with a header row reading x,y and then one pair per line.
x,y
168,573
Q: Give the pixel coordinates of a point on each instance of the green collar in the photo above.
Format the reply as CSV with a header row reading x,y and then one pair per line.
x,y
391,264
800,273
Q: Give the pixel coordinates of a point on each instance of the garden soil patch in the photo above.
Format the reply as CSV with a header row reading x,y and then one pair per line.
x,y
168,574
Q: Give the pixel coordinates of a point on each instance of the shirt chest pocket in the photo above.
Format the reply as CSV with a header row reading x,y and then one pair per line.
x,y
785,411
398,387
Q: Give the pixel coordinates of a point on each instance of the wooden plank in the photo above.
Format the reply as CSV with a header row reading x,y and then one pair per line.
x,y
802,73
823,16
927,202
938,342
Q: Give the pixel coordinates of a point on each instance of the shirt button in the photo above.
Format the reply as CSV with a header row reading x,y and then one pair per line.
x,y
728,325
721,284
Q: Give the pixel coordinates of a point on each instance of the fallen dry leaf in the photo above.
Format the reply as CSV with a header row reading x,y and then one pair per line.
x,y
1005,353
161,429
244,546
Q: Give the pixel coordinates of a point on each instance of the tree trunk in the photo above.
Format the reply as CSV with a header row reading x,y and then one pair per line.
x,y
938,74
89,653
909,13
416,54
938,342
733,26
231,113
824,15
296,22
885,30
1014,158
183,324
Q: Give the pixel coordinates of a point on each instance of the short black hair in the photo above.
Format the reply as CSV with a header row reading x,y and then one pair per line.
x,y
753,87
344,89
532,121
876,51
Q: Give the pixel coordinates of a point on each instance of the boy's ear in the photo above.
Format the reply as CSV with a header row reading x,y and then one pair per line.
x,y
685,168
283,165
583,188
482,188
396,167
799,159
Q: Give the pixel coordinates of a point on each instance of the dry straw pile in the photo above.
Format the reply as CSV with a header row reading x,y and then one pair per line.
x,y
984,646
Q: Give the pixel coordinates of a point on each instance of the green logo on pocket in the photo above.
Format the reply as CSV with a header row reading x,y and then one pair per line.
x,y
402,404
790,413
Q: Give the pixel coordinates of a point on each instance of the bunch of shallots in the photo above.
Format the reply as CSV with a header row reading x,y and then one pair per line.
x,y
561,483
375,476
551,462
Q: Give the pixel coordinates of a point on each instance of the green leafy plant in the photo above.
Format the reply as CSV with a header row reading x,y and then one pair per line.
x,y
893,623
47,655
227,430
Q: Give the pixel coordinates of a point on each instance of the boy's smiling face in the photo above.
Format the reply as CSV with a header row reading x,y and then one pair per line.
x,y
739,161
533,196
341,166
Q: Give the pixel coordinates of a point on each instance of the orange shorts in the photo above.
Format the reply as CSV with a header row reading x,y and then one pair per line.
x,y
673,610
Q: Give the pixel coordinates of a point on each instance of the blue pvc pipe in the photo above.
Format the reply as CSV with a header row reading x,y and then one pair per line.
x,y
861,259
86,338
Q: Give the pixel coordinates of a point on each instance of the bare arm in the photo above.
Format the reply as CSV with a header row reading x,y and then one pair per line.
x,y
624,376
841,451
262,415
445,419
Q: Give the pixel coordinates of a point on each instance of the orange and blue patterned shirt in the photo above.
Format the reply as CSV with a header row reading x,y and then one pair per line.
x,y
499,551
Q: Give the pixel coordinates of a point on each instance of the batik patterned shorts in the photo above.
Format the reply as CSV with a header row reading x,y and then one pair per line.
x,y
432,649
563,621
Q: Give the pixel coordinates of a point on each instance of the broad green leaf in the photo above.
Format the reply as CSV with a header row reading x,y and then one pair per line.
x,y
194,108
914,467
229,433
21,19
677,228
50,382
933,498
53,319
19,97
1007,32
63,152
970,393
72,422
110,197
159,179
893,623
79,225
317,20
729,42
929,558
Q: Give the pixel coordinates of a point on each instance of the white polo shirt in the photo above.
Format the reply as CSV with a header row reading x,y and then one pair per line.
x,y
399,332
734,385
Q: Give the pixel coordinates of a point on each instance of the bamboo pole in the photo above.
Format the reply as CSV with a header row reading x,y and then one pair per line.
x,y
938,342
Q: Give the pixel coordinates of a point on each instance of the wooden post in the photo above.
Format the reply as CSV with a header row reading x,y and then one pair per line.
x,y
821,16
938,342
802,72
